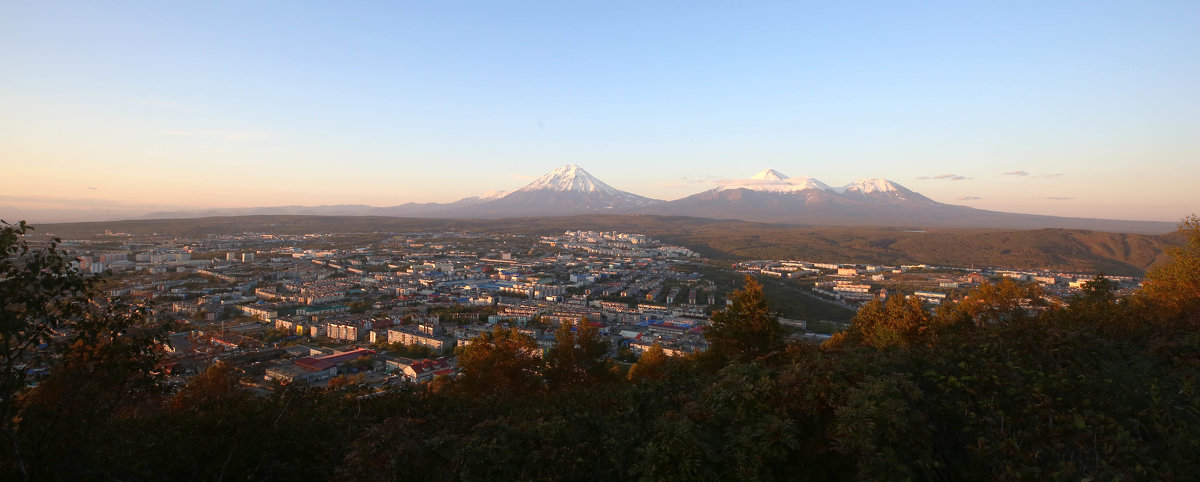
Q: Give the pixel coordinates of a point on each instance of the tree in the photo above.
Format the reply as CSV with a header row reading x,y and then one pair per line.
x,y
899,321
100,355
747,329
39,291
652,365
1097,304
213,389
346,381
998,302
1175,287
504,361
576,355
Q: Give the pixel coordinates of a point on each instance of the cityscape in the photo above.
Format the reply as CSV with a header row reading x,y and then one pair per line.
x,y
599,241
313,308
264,347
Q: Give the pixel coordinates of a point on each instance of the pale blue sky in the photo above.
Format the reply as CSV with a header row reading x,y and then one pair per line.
x,y
234,104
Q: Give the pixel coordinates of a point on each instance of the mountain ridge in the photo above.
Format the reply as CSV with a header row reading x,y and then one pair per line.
x,y
768,196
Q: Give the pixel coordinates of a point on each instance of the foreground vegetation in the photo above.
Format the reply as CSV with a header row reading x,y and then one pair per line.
x,y
999,386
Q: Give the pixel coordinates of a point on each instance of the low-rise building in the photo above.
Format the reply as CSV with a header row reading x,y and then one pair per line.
x,y
418,336
314,369
417,371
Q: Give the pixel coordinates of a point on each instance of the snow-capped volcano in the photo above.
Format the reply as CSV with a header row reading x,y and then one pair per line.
x,y
569,178
768,196
770,180
566,190
773,197
883,190
871,185
769,175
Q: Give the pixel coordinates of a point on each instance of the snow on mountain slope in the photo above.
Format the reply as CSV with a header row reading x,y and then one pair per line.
x,y
482,198
883,191
768,196
770,180
490,195
569,178
769,175
872,185
566,190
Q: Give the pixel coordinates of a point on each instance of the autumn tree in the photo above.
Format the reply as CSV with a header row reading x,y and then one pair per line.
x,y
347,381
1174,288
899,321
652,365
214,388
576,356
100,356
504,361
999,302
39,291
746,329
1097,305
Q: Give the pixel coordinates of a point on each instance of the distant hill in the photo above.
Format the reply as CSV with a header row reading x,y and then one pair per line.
x,y
1050,249
767,197
1056,249
564,191
773,197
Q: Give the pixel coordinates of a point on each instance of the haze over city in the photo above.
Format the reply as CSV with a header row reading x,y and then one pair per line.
x,y
1071,109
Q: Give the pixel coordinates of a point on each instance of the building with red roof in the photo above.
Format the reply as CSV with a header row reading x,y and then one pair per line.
x,y
315,369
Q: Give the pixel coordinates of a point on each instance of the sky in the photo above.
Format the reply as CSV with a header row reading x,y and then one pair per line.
x,y
1087,109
